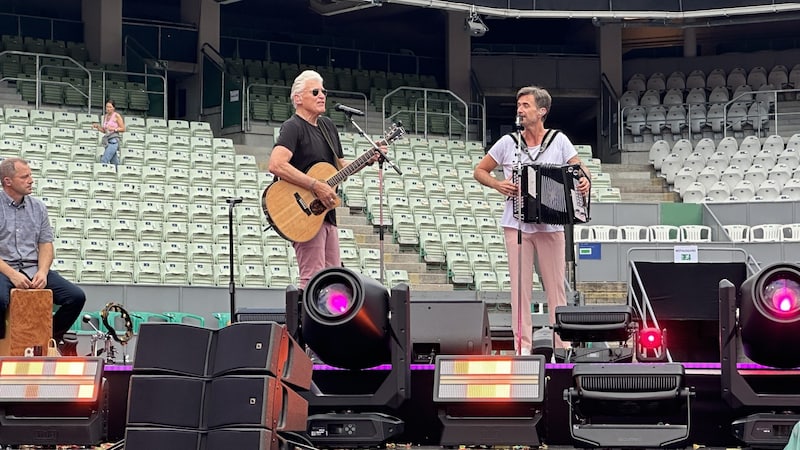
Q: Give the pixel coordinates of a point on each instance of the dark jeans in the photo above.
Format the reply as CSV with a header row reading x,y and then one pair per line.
x,y
68,296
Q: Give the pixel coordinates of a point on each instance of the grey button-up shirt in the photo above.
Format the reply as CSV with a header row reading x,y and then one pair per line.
x,y
22,228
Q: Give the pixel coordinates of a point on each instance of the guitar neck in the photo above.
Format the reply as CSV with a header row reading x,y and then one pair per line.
x,y
351,168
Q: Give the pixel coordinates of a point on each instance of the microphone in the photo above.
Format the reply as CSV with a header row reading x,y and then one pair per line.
x,y
348,110
518,122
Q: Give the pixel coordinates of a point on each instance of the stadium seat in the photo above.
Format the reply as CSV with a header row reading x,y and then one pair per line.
x,y
768,190
708,176
676,80
742,159
684,177
715,117
716,78
755,174
658,151
780,173
676,119
696,80
718,192
728,145
757,77
636,120
778,76
744,190
736,77
694,193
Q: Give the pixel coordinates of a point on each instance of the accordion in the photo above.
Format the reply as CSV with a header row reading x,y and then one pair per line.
x,y
549,195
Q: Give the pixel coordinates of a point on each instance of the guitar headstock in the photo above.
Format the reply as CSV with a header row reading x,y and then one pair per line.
x,y
395,132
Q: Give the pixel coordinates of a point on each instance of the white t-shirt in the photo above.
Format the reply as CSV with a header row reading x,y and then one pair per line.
x,y
504,152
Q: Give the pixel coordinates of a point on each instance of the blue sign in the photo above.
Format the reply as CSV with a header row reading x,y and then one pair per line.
x,y
589,250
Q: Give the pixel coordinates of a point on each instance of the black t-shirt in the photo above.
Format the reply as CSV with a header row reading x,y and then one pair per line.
x,y
309,146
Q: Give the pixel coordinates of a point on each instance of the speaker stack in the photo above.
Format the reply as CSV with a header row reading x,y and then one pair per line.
x,y
194,388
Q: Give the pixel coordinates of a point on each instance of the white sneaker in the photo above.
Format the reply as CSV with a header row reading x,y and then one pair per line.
x,y
525,352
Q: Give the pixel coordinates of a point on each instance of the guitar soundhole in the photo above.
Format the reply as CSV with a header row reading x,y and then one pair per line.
x,y
317,207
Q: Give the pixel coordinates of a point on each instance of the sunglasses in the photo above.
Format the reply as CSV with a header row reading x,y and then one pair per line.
x,y
315,92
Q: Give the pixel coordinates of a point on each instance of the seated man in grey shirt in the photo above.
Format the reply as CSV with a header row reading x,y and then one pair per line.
x,y
26,248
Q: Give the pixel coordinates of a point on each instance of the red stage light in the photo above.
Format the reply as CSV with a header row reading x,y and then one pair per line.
x,y
650,338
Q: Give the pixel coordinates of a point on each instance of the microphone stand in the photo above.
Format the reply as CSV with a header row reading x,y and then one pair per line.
x,y
383,158
518,207
232,201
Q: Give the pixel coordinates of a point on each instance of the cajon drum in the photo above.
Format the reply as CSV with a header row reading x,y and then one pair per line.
x,y
29,321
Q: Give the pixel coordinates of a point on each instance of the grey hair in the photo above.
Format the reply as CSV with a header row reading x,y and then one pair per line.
x,y
301,81
8,166
540,95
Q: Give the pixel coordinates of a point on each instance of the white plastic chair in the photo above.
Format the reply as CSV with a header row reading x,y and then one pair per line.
x,y
664,233
604,233
768,232
737,232
695,233
633,233
790,232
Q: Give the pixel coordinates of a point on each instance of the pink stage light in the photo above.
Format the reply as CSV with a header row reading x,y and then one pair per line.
x,y
335,300
784,295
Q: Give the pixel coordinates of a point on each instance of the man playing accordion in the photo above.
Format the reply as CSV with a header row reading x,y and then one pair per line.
x,y
541,240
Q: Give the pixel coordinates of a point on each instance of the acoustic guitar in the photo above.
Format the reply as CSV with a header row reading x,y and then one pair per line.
x,y
294,212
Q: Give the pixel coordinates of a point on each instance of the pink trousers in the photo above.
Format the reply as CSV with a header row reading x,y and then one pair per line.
x,y
321,252
549,250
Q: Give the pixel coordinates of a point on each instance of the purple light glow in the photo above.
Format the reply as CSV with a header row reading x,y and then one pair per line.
x,y
784,295
337,303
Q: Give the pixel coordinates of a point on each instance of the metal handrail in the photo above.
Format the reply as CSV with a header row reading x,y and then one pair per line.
x,y
39,80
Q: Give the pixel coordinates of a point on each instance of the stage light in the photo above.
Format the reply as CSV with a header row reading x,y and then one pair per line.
x,y
343,311
761,320
651,345
769,315
628,405
587,324
352,322
489,400
52,401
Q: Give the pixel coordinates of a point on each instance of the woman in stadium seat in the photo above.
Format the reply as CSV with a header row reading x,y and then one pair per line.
x,y
111,127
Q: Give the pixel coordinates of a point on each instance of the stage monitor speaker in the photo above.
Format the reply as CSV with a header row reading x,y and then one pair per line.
x,y
245,438
255,401
258,348
144,438
277,315
166,401
172,348
449,327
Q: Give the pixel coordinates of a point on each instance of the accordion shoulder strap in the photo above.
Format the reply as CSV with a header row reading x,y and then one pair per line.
x,y
549,135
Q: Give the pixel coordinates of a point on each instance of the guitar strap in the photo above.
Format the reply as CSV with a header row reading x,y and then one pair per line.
x,y
323,127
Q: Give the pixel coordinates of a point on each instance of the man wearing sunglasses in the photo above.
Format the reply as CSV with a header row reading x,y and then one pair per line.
x,y
308,138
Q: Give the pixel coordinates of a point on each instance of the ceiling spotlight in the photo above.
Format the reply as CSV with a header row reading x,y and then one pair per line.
x,y
475,26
